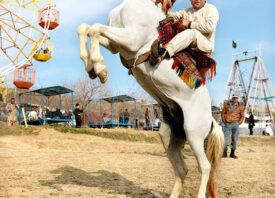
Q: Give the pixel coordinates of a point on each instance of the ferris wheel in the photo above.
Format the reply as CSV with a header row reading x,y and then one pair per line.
x,y
24,36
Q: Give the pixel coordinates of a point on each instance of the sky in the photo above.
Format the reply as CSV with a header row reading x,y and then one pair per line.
x,y
250,23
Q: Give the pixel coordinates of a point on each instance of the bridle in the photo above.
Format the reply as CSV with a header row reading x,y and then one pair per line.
x,y
168,5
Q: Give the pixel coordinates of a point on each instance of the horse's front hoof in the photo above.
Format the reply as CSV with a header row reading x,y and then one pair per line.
x,y
103,75
92,74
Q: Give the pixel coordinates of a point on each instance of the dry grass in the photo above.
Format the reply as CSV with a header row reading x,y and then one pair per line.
x,y
257,140
17,130
116,134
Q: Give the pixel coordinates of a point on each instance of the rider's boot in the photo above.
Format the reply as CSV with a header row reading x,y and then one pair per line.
x,y
157,53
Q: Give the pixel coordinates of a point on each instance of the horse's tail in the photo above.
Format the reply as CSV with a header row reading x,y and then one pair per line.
x,y
214,150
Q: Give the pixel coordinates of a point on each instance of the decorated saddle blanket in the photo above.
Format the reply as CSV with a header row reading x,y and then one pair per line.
x,y
192,67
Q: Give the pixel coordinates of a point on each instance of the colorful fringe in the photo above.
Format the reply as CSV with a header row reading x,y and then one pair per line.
x,y
191,66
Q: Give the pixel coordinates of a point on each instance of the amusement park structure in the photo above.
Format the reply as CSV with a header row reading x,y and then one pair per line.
x,y
24,26
249,79
113,121
155,121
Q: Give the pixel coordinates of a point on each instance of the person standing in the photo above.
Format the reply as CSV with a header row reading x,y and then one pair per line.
x,y
147,118
121,116
77,115
232,117
1,111
126,116
251,123
12,108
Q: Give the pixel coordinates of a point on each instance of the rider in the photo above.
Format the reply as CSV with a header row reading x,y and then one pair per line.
x,y
200,22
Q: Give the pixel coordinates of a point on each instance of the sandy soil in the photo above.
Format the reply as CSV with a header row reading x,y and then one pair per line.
x,y
54,164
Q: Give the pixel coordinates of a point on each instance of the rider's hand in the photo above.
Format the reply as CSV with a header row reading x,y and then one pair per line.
x,y
185,22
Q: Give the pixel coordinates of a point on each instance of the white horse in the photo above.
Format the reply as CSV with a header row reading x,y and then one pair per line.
x,y
186,112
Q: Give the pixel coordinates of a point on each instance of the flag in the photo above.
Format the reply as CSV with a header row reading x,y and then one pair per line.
x,y
234,45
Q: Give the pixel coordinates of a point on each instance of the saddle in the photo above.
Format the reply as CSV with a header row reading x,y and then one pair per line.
x,y
193,67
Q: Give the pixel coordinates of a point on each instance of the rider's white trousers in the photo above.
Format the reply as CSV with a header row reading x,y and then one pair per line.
x,y
192,38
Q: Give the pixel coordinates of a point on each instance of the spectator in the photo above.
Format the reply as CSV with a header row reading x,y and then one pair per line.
x,y
268,131
33,114
156,117
1,111
251,123
126,116
12,108
77,115
1,98
232,117
57,113
70,114
121,116
147,118
48,113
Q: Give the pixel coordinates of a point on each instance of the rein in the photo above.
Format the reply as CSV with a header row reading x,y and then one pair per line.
x,y
132,63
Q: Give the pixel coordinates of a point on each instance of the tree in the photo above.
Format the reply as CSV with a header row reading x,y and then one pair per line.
x,y
86,89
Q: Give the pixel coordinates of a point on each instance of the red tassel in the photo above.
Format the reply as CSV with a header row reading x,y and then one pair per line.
x,y
160,34
176,64
213,70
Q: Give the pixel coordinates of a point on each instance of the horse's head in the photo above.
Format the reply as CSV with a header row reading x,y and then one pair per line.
x,y
166,4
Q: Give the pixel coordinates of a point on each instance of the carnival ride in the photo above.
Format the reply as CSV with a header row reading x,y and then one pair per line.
x,y
154,124
249,79
47,117
24,26
112,121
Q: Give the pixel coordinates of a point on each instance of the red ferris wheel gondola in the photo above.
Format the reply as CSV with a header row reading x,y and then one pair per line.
x,y
24,77
48,19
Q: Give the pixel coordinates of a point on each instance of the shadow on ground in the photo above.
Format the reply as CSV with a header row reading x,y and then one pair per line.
x,y
101,179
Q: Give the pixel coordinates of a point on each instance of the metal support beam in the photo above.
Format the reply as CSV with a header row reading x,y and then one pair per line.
x,y
247,59
100,112
135,122
30,101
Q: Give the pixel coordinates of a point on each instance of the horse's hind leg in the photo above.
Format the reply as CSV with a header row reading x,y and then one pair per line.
x,y
173,149
197,146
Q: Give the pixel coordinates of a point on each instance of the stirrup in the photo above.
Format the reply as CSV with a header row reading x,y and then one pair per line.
x,y
152,60
163,55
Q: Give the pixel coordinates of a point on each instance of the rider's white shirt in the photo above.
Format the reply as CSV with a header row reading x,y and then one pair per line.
x,y
204,20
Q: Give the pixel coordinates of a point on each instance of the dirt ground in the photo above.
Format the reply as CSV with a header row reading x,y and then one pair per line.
x,y
54,164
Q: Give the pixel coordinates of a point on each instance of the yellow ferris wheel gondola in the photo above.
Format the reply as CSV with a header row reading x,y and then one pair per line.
x,y
45,52
3,95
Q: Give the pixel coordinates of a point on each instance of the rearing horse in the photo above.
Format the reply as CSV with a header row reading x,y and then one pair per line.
x,y
186,112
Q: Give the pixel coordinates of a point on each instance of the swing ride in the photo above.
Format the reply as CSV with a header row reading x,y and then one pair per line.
x,y
24,36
